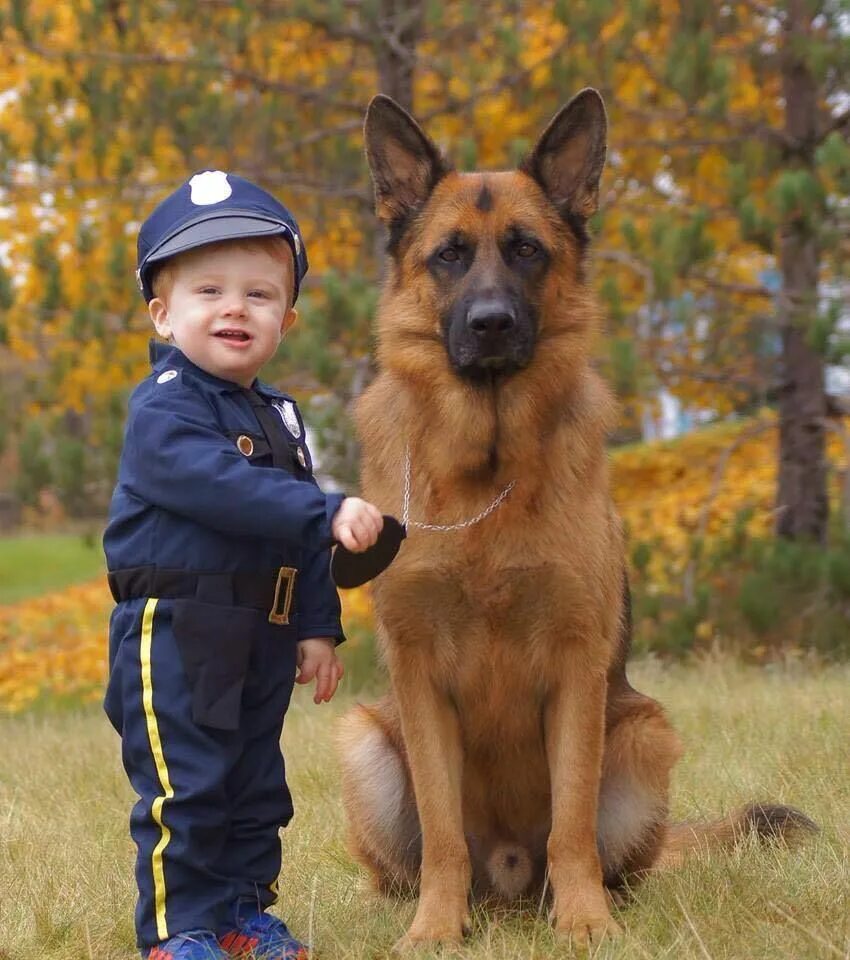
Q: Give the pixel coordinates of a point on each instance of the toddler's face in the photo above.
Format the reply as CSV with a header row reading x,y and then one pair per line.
x,y
227,310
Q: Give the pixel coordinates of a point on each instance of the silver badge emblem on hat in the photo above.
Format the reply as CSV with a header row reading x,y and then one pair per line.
x,y
209,187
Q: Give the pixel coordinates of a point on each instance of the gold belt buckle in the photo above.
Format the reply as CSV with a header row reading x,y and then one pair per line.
x,y
283,595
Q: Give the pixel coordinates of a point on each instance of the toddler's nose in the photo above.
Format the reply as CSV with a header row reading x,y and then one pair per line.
x,y
234,306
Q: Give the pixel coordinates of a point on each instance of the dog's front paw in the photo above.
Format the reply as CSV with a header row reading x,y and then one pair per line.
x,y
586,930
429,931
585,921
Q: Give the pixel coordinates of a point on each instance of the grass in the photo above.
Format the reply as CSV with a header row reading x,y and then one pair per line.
x,y
34,564
66,861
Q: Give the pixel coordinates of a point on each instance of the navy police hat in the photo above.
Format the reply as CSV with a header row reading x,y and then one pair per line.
x,y
213,205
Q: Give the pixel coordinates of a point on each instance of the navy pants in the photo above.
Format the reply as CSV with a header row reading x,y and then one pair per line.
x,y
198,693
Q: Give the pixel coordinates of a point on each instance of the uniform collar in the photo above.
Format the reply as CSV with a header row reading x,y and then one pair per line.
x,y
164,355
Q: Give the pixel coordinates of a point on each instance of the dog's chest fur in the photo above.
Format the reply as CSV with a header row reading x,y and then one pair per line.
x,y
488,639
481,618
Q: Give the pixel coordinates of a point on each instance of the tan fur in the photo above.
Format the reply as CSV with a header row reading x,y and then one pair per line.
x,y
511,744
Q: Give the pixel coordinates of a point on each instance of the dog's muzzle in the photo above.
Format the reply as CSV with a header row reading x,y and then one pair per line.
x,y
490,336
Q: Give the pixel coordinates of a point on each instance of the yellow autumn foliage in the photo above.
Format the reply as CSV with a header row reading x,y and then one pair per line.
x,y
670,493
54,645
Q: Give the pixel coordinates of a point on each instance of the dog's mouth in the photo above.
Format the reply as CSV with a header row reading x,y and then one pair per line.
x,y
495,363
488,371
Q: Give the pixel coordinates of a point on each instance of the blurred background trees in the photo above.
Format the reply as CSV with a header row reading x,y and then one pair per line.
x,y
721,244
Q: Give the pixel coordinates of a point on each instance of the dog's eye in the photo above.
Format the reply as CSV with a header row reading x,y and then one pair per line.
x,y
526,249
450,254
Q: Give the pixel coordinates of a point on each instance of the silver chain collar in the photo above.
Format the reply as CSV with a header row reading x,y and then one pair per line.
x,y
406,522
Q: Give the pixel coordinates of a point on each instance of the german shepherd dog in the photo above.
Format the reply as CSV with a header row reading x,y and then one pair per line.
x,y
511,755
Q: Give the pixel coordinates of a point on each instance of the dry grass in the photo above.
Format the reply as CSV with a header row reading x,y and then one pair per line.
x,y
66,860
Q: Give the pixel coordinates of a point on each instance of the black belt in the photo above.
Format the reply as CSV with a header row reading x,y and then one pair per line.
x,y
268,590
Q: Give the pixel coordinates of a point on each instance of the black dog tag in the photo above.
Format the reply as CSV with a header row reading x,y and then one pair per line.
x,y
353,569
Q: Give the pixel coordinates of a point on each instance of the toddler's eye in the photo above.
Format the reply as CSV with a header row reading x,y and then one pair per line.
x,y
262,294
208,290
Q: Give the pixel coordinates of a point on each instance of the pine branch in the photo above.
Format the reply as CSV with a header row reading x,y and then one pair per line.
x,y
744,289
613,201
334,31
354,192
294,144
836,123
685,144
624,259
667,371
643,270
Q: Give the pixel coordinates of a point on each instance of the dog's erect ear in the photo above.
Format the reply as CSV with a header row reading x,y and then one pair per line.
x,y
570,154
405,164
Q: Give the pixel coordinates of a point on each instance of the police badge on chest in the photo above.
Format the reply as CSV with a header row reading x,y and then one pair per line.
x,y
286,409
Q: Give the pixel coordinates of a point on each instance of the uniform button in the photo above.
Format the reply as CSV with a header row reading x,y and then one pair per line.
x,y
166,375
245,445
301,458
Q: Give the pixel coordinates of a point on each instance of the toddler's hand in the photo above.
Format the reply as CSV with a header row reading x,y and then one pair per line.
x,y
316,657
356,524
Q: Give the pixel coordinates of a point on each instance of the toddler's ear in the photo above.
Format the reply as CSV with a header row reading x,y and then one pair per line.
x,y
159,314
289,319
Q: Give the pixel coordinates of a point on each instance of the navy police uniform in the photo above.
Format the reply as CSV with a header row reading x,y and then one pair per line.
x,y
217,548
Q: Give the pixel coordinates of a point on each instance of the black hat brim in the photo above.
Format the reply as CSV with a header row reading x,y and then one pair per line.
x,y
212,229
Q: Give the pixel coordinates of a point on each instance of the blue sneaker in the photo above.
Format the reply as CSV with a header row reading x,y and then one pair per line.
x,y
191,945
260,936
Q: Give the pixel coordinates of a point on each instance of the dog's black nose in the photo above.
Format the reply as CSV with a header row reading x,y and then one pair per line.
x,y
491,318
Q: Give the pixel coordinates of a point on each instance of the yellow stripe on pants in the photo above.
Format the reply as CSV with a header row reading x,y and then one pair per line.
x,y
161,769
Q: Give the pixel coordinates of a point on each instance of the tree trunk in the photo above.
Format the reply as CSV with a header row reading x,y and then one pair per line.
x,y
398,28
395,48
802,504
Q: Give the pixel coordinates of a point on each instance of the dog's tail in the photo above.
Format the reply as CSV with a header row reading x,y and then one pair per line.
x,y
769,822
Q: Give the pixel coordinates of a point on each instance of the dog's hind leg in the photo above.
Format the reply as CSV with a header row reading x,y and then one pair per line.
x,y
633,831
383,825
640,750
